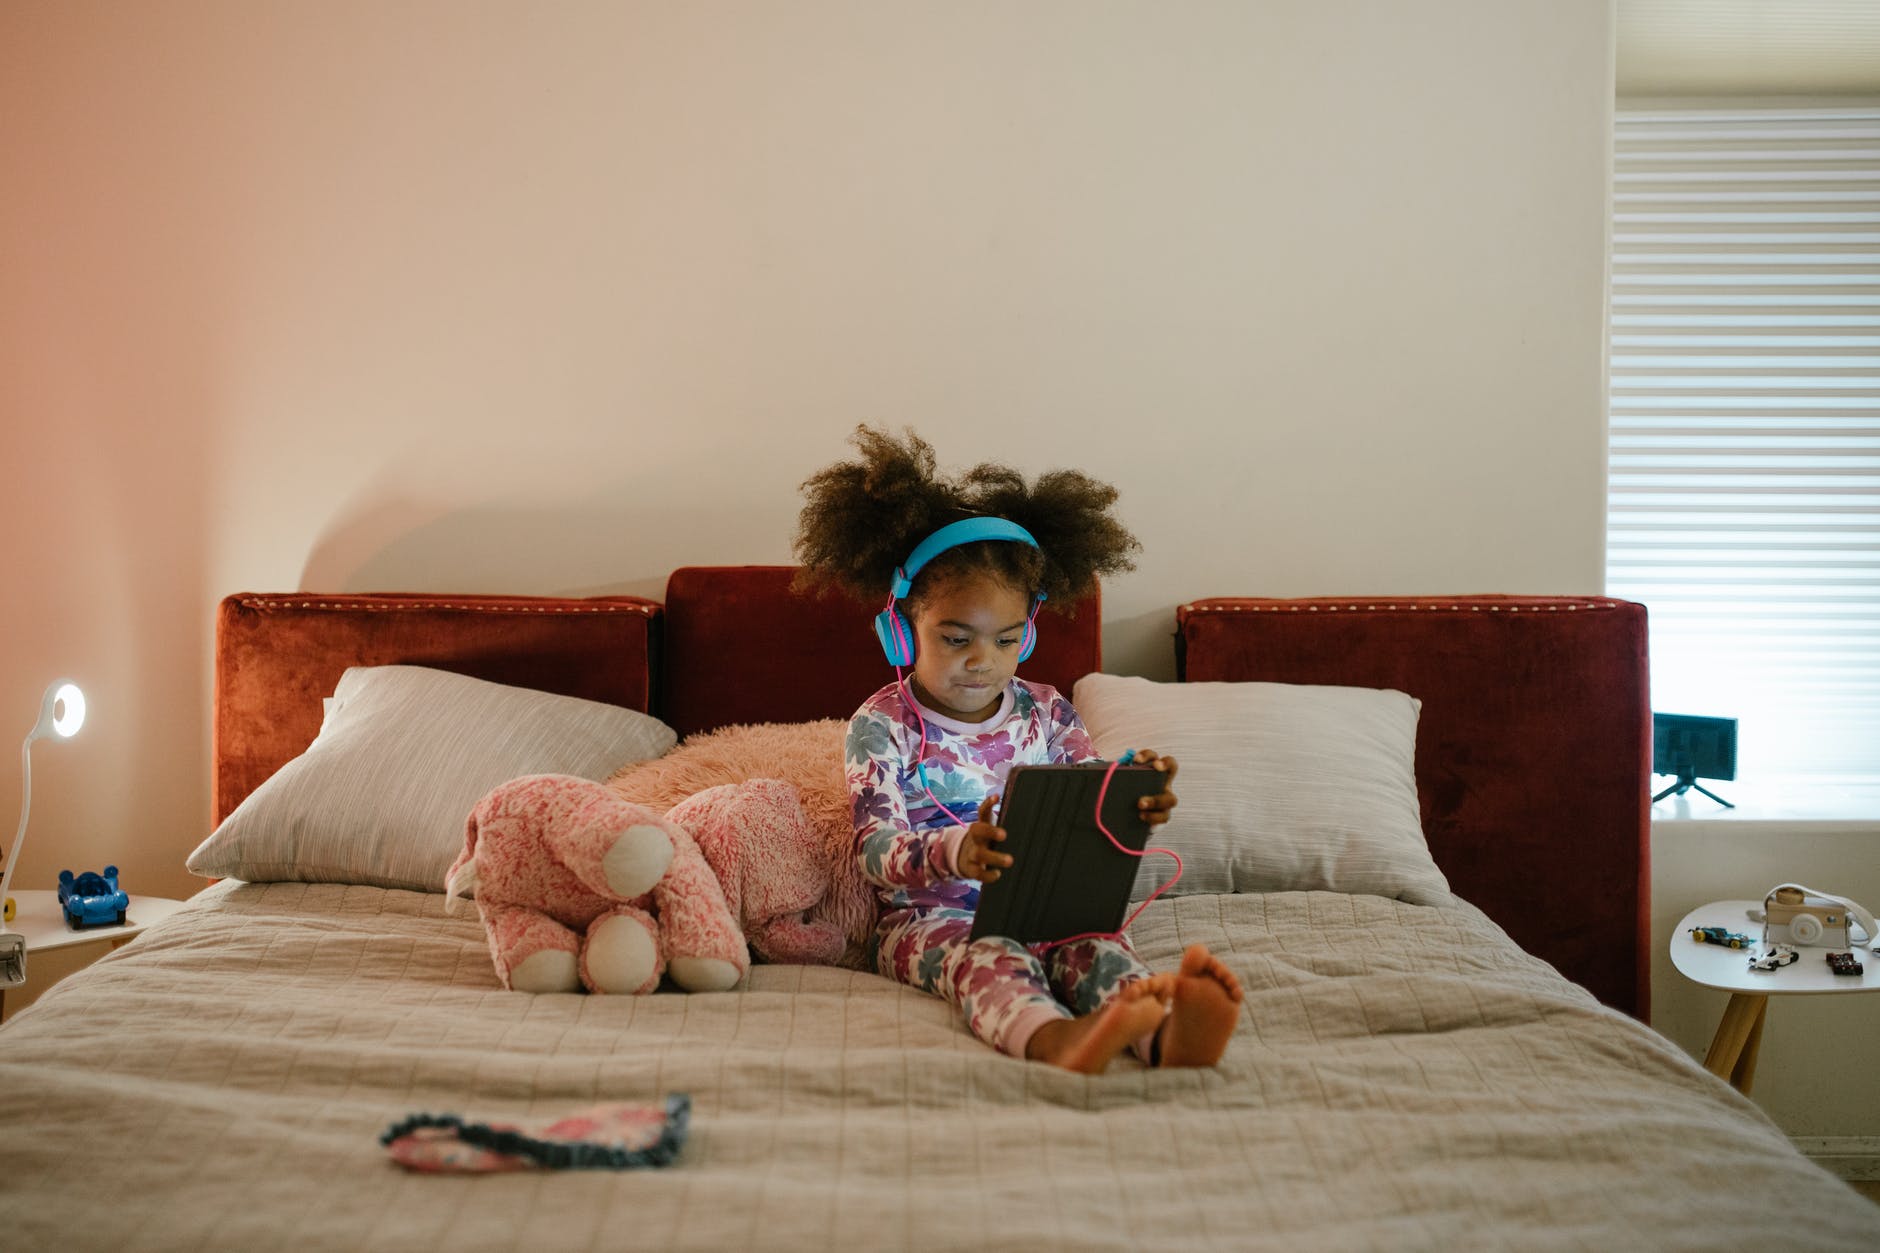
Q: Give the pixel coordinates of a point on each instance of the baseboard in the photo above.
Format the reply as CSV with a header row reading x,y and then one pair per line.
x,y
1845,1157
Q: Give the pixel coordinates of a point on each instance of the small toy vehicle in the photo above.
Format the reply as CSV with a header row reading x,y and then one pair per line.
x,y
1718,935
91,899
1844,964
1777,955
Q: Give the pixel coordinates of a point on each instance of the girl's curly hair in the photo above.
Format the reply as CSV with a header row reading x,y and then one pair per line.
x,y
862,518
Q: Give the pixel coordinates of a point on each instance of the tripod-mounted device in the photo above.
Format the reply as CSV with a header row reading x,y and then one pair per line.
x,y
1693,748
1687,782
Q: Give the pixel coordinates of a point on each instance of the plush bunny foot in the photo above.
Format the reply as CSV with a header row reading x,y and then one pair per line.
x,y
533,952
622,952
704,974
551,970
637,860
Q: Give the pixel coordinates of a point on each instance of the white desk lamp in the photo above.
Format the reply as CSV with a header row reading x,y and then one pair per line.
x,y
61,714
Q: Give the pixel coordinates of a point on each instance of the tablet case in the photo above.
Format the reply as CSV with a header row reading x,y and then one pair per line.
x,y
1065,878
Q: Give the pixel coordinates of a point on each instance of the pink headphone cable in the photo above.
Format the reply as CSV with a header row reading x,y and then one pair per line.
x,y
920,762
1118,933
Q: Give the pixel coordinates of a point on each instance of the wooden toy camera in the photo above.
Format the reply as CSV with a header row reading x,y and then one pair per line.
x,y
1793,914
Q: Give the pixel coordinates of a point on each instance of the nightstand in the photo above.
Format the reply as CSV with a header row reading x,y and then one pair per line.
x,y
1732,1053
42,922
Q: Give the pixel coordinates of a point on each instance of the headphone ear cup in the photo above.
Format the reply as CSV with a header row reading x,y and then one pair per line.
x,y
1029,640
897,638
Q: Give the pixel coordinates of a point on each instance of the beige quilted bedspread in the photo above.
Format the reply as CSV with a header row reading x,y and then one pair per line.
x,y
1403,1078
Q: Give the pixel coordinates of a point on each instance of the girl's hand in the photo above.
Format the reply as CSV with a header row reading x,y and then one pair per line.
x,y
1155,808
976,857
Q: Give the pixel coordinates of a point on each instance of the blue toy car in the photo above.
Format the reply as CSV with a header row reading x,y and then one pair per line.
x,y
1717,935
91,899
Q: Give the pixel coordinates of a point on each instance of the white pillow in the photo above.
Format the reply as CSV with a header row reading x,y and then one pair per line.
x,y
382,793
1279,787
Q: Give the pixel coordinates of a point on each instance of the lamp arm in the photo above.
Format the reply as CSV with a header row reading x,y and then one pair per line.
x,y
26,804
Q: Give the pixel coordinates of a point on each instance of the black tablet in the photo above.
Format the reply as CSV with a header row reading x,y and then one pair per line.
x,y
1065,877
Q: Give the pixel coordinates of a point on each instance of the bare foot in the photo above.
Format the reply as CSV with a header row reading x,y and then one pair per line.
x,y
1204,998
1088,1044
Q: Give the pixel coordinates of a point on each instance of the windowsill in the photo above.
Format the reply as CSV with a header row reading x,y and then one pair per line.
x,y
1786,802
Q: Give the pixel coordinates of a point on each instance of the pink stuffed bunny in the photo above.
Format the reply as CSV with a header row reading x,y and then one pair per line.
x,y
771,864
568,878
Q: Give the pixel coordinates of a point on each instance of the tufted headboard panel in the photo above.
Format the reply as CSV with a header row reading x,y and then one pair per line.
x,y
1533,748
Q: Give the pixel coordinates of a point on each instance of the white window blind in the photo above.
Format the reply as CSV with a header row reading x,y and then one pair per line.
x,y
1744,505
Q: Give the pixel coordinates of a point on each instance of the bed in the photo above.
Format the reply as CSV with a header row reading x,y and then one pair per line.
x,y
1405,1075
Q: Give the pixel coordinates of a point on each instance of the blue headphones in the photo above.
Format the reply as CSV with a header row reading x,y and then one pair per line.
x,y
896,636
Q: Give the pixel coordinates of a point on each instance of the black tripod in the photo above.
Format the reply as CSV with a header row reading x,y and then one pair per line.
x,y
1687,782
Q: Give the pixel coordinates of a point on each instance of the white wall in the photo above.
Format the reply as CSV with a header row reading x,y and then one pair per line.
x,y
551,299
554,298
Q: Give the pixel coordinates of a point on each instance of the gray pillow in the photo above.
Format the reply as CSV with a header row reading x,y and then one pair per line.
x,y
1279,787
381,795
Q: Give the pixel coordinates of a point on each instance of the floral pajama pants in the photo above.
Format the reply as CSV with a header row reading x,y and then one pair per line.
x,y
1006,989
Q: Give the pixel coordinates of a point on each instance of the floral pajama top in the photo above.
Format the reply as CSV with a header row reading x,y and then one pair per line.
x,y
905,843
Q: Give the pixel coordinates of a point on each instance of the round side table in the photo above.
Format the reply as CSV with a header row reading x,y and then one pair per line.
x,y
40,919
1732,1053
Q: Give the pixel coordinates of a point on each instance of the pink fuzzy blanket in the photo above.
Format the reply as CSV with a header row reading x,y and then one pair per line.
x,y
806,754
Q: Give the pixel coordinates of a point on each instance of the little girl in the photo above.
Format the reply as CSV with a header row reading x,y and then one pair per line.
x,y
928,754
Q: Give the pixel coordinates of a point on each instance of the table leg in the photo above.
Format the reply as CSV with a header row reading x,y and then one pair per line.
x,y
1733,1051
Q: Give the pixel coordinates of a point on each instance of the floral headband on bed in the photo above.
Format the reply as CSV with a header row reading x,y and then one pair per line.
x,y
601,1137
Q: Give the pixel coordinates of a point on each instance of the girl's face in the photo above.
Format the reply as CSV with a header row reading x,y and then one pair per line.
x,y
967,633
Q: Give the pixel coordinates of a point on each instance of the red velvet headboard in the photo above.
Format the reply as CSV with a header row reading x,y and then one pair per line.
x,y
740,646
1533,749
733,644
278,655
1532,754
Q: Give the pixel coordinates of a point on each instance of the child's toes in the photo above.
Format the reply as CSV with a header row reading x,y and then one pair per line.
x,y
1195,960
1160,987
1199,963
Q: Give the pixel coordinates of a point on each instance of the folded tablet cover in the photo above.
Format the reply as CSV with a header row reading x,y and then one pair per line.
x,y
1065,877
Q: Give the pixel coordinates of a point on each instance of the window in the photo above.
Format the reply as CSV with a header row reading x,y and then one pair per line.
x,y
1744,506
